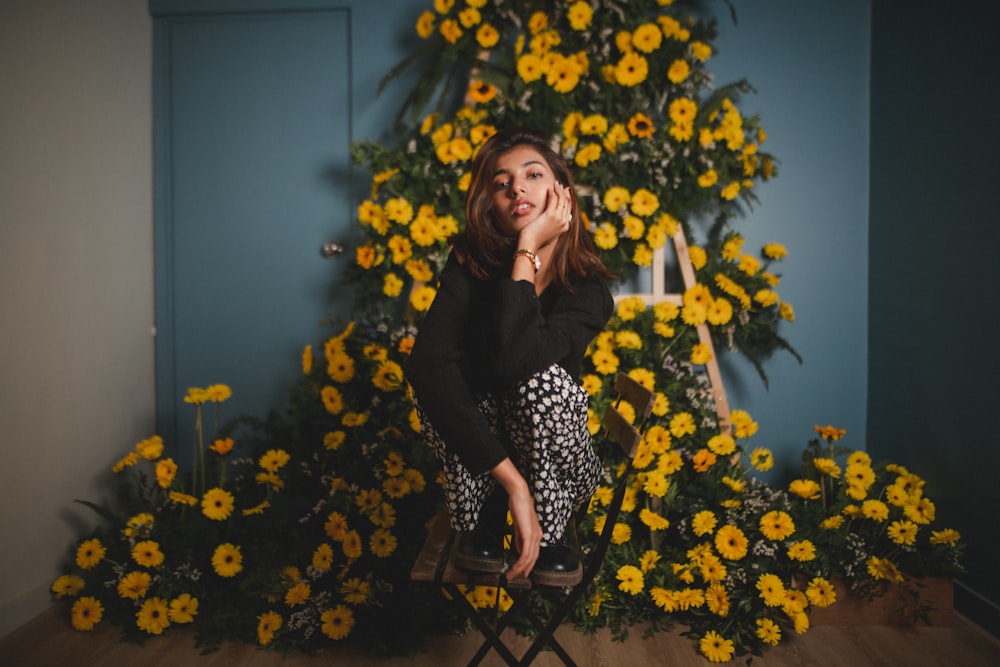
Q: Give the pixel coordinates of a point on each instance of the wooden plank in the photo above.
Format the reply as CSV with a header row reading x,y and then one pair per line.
x,y
428,562
625,434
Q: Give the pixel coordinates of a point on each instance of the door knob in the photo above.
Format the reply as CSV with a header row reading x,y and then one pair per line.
x,y
331,249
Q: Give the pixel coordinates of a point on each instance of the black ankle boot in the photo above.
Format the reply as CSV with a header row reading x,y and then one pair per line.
x,y
559,564
481,549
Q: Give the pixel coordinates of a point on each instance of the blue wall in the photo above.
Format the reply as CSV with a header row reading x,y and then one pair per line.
x,y
809,63
933,289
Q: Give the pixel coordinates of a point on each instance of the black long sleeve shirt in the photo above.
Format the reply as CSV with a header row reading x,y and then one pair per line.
x,y
483,336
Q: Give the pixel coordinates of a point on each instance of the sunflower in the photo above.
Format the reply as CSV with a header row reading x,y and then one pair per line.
x,y
776,525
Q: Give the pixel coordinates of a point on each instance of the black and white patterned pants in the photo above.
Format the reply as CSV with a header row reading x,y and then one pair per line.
x,y
543,423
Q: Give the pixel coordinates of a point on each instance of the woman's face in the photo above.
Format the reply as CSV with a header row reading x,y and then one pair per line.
x,y
522,184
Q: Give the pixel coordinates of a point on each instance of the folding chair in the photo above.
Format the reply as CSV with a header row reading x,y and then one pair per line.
x,y
436,561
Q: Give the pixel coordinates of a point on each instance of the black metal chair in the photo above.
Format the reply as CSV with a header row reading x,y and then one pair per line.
x,y
436,561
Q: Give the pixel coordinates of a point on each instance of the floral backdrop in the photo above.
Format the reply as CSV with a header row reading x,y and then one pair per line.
x,y
298,532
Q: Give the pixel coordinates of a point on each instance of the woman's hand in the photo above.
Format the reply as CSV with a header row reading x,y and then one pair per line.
x,y
527,530
553,221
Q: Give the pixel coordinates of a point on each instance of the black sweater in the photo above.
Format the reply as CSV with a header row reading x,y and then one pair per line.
x,y
483,336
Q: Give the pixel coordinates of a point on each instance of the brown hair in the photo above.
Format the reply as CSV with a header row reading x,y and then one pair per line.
x,y
486,251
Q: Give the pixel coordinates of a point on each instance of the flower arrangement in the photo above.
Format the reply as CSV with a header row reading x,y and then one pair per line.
x,y
291,546
298,531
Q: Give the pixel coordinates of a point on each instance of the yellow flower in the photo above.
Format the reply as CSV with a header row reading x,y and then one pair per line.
x,y
715,647
352,544
86,613
579,15
820,593
701,51
682,424
182,499
805,488
679,70
802,551
538,22
67,585
700,354
333,400
337,622
587,154
89,553
743,424
217,504
703,522
151,448
218,393
775,251
653,520
147,554
450,30
422,297
298,594
134,585
730,542
647,38
487,36
269,622
875,510
339,366
880,568
606,236
621,533
631,579
530,67
631,70
153,617
392,286
562,74
227,561
827,466
772,590
382,543
947,536
183,608
722,444
355,590
768,631
776,525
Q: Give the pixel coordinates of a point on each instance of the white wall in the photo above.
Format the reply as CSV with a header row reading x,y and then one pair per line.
x,y
76,274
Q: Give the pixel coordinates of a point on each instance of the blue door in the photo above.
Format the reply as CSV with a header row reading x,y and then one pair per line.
x,y
253,125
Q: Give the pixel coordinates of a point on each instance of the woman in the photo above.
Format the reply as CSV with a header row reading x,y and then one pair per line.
x,y
495,368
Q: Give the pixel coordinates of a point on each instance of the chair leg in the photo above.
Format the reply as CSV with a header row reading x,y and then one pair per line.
x,y
491,634
546,634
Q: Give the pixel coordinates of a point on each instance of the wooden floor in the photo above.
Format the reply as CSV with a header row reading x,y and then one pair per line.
x,y
49,641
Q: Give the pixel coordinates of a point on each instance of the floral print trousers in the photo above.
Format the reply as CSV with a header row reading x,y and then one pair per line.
x,y
543,423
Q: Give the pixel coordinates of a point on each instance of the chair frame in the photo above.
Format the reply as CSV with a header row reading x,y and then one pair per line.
x,y
436,561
